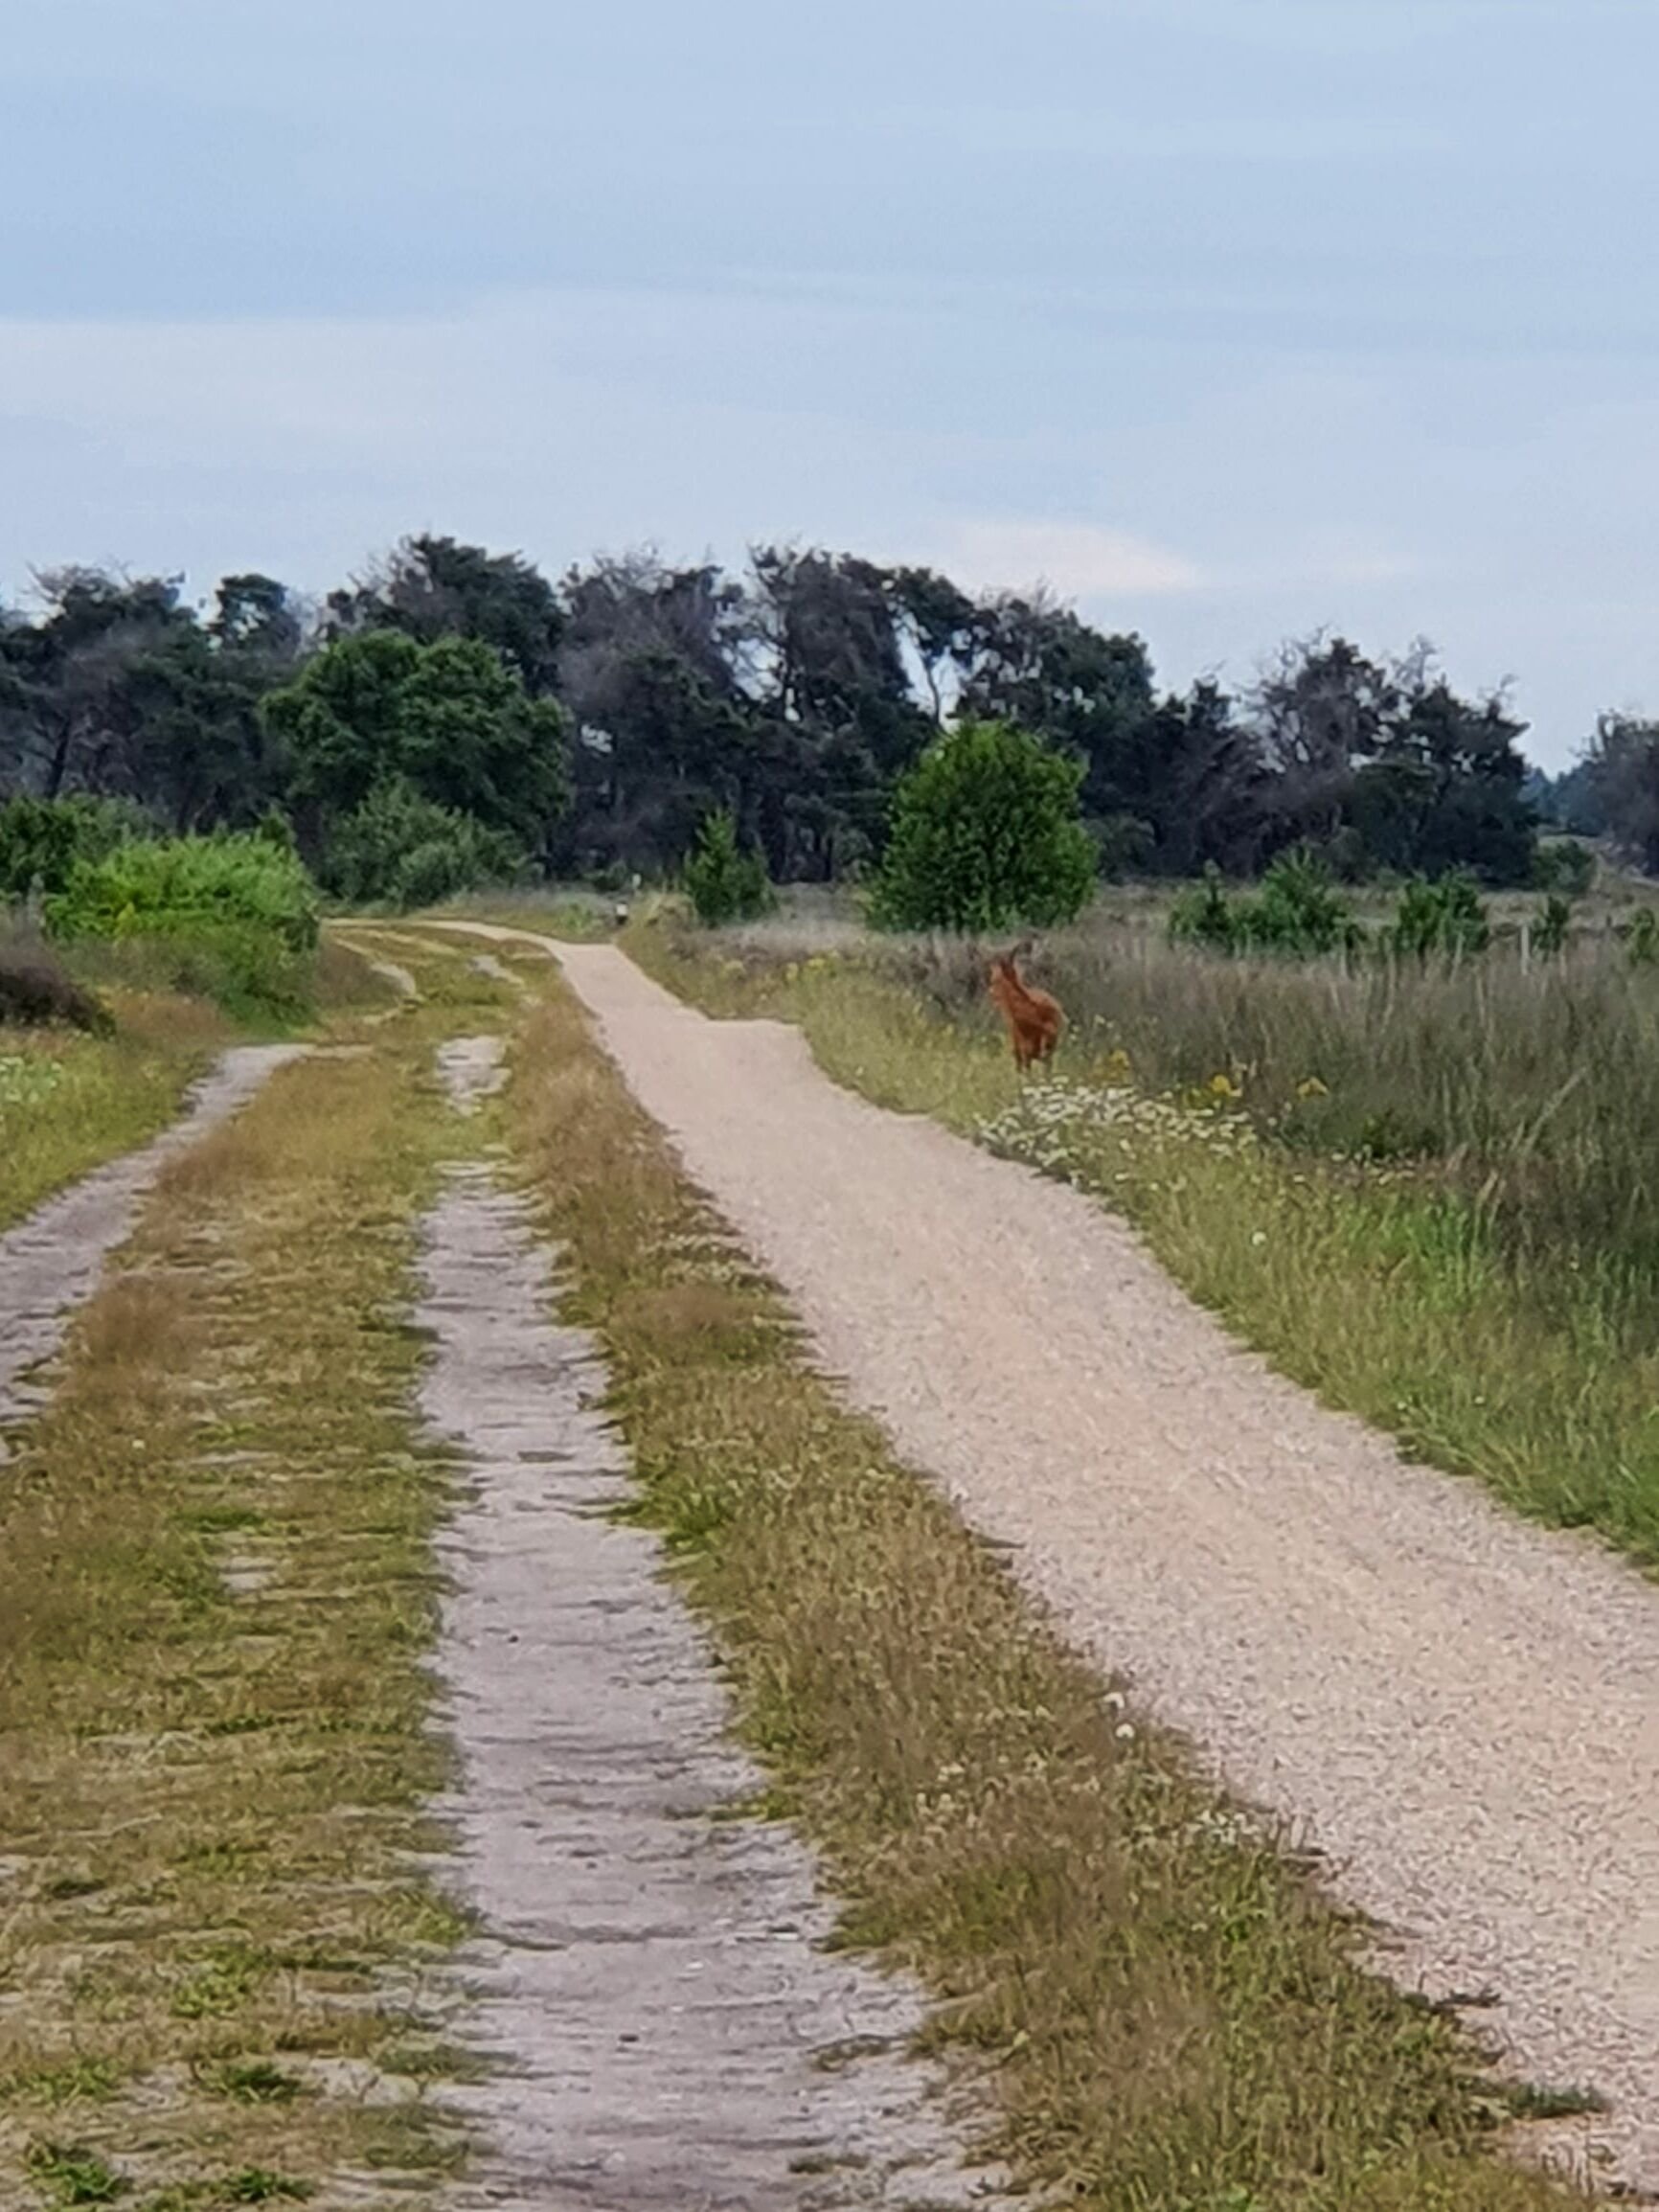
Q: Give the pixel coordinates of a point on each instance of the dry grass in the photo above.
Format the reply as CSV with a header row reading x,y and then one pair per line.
x,y
1161,2009
215,1596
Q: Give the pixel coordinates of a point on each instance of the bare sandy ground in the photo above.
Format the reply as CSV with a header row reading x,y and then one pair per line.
x,y
650,1980
1459,1710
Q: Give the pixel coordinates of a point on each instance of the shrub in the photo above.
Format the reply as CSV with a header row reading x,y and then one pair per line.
x,y
1299,911
1564,864
1298,914
236,915
1206,915
44,841
723,882
403,849
985,832
242,881
1448,917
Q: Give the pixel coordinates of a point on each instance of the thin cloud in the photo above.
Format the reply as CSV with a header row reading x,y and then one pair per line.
x,y
1078,559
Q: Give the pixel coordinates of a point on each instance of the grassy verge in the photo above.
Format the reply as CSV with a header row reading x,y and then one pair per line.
x,y
1387,1286
1161,2010
69,1101
216,1597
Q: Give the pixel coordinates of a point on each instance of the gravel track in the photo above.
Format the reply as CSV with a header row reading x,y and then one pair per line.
x,y
1458,1709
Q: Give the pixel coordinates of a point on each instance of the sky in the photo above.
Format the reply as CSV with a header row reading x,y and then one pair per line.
x,y
1230,319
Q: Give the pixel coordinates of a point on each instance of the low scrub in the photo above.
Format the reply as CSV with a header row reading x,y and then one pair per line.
x,y
235,917
1298,913
1447,917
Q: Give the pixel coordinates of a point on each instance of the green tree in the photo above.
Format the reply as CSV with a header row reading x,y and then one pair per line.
x,y
1620,787
450,720
43,840
724,882
432,588
985,832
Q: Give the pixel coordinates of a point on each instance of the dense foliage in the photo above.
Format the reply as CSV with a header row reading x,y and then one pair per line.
x,y
43,840
987,831
595,722
233,915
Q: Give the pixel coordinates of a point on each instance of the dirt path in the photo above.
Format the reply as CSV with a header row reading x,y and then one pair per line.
x,y
1460,1710
51,1261
650,1975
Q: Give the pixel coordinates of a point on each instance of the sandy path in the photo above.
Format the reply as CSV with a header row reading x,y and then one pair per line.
x,y
1458,1709
49,1263
650,1975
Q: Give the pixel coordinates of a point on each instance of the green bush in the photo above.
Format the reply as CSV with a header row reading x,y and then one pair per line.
x,y
403,849
44,841
723,882
236,917
1206,915
986,833
1448,918
1298,913
1564,864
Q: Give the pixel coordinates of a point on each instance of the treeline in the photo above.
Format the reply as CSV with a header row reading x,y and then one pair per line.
x,y
454,714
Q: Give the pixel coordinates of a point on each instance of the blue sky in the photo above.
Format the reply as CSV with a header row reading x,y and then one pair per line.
x,y
1230,318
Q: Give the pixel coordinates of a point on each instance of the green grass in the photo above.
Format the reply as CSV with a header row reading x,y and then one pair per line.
x,y
70,1101
1435,1293
1160,2010
214,1791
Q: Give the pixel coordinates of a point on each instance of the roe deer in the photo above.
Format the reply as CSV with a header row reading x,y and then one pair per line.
x,y
1034,1018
